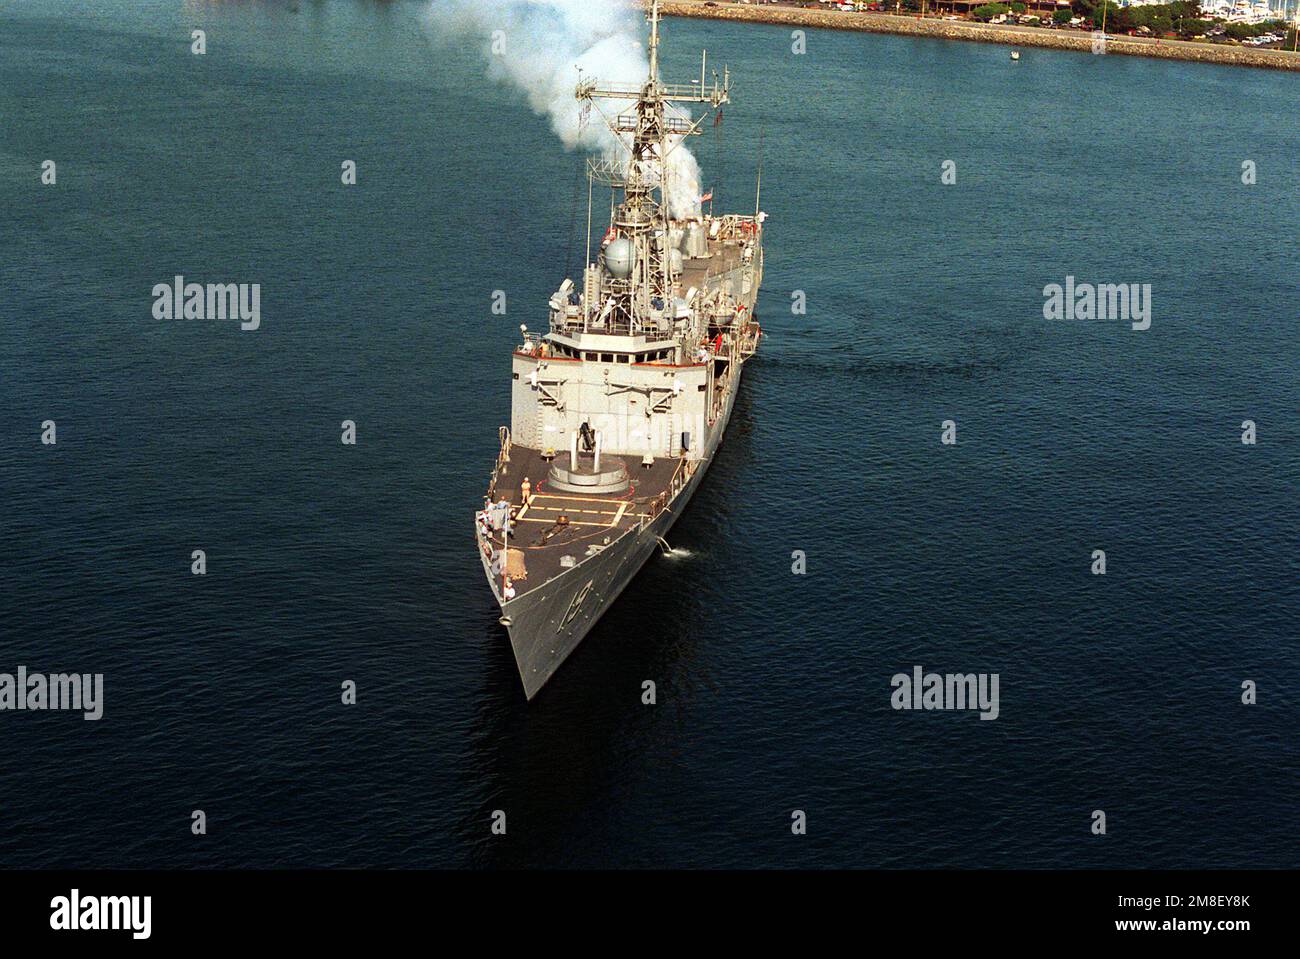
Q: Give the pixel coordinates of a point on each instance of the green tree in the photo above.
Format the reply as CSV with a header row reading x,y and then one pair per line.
x,y
1111,14
989,11
1140,16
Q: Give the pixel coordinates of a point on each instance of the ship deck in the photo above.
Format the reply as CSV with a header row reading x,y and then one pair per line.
x,y
556,524
724,256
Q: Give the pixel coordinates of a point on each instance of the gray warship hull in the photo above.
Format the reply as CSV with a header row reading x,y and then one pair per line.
x,y
548,623
618,410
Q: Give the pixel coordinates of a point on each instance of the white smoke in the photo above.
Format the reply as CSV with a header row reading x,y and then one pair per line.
x,y
541,46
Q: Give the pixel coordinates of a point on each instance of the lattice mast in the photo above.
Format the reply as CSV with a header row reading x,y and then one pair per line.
x,y
649,130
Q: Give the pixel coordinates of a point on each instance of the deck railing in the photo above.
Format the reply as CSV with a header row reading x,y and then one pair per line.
x,y
503,457
681,476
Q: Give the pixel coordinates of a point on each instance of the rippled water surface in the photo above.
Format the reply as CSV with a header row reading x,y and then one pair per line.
x,y
328,563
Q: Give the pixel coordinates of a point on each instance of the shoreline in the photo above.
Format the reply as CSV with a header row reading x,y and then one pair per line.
x,y
1014,36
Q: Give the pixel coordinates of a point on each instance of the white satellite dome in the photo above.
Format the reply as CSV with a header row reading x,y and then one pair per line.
x,y
618,258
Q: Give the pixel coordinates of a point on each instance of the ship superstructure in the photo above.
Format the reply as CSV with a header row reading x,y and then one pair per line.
x,y
618,408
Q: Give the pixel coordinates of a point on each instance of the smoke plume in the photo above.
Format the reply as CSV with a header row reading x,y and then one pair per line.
x,y
539,46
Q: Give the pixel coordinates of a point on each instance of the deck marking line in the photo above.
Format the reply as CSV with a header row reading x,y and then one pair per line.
x,y
572,522
578,499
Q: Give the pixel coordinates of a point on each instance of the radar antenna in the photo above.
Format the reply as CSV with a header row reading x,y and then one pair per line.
x,y
650,127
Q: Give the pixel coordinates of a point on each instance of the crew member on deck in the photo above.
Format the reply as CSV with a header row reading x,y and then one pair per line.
x,y
526,491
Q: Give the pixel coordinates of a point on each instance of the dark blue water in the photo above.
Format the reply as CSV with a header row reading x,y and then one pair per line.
x,y
329,563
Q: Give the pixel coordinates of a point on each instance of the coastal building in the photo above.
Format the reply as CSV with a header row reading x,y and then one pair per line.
x,y
1232,11
1041,8
1237,11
